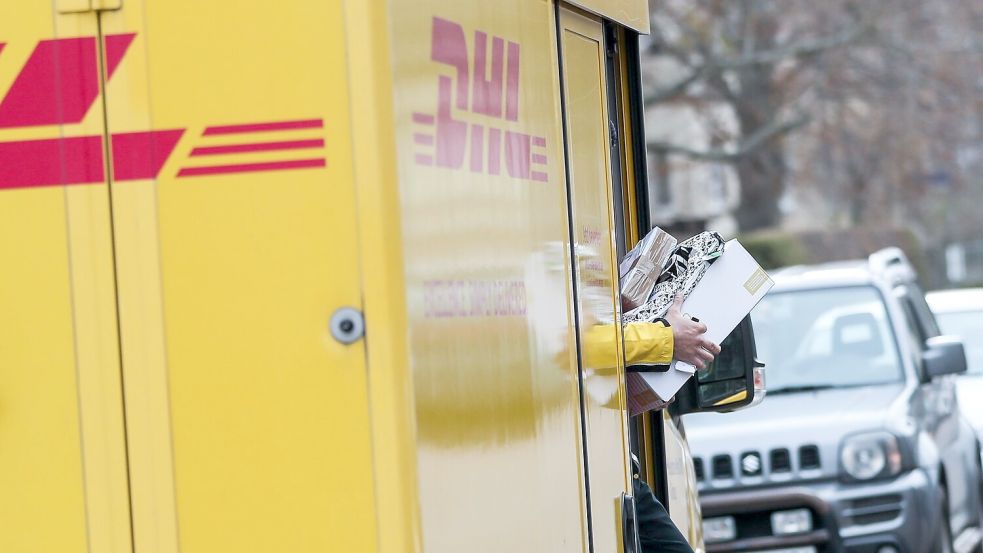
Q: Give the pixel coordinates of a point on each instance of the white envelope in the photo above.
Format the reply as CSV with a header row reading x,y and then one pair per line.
x,y
728,291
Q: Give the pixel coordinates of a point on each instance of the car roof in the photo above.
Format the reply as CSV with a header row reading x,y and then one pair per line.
x,y
961,299
838,273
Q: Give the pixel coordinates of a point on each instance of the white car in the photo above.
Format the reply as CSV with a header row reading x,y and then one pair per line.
x,y
960,312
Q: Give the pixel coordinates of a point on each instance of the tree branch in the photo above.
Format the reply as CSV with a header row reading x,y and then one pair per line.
x,y
754,141
713,66
673,90
794,50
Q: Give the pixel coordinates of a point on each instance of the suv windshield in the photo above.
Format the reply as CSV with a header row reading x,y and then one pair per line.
x,y
825,338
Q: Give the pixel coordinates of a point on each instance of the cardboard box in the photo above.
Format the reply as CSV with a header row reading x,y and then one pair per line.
x,y
728,291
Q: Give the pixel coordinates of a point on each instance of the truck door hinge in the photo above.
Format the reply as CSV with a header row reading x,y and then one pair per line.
x,y
85,6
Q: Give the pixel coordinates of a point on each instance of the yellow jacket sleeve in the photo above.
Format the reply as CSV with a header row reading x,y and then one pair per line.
x,y
645,344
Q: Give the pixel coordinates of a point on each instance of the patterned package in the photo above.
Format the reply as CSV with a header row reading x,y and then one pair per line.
x,y
688,262
679,275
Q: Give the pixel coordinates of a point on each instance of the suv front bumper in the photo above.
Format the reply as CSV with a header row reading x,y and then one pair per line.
x,y
854,518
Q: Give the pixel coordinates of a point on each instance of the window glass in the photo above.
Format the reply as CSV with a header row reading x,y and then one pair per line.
x,y
832,337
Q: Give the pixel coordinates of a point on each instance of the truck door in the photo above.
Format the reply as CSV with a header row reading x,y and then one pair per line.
x,y
233,205
590,185
62,456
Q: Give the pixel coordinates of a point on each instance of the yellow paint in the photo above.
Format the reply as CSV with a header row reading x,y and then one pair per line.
x,y
227,284
633,14
384,297
627,137
204,302
683,498
107,4
593,227
739,396
73,6
62,462
496,398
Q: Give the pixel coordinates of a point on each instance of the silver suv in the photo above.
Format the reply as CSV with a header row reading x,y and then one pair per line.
x,y
859,445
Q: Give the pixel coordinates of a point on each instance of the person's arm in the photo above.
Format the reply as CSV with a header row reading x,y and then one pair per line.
x,y
648,344
679,337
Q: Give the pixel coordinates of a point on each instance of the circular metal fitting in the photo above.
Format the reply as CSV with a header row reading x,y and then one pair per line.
x,y
347,325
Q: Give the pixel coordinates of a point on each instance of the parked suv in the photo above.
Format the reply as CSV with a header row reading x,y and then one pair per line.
x,y
859,445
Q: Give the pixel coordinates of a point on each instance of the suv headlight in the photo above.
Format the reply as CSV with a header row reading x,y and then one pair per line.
x,y
871,455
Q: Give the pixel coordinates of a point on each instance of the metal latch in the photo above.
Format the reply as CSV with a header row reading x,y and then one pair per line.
x,y
83,6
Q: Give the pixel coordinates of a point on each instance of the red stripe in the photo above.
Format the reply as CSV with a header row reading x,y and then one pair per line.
x,y
58,84
258,147
51,162
423,118
140,155
258,127
116,46
250,167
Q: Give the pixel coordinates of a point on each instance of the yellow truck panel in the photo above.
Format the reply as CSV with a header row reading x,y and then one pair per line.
x,y
236,243
633,14
189,192
585,85
62,456
478,133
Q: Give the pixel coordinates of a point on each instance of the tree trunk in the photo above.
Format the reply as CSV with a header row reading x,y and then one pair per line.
x,y
762,178
762,171
757,104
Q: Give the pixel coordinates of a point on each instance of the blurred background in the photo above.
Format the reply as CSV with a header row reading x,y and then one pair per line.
x,y
818,131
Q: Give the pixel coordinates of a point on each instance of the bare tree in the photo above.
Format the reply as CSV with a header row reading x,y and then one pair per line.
x,y
752,56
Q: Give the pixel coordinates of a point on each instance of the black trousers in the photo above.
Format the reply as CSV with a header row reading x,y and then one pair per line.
x,y
656,531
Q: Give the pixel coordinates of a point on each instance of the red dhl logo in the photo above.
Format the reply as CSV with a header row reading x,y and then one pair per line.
x,y
477,89
58,85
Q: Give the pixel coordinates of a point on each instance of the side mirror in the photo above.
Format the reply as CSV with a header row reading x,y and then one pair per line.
x,y
733,380
944,355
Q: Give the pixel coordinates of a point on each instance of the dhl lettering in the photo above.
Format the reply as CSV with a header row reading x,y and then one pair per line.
x,y
59,84
442,139
474,298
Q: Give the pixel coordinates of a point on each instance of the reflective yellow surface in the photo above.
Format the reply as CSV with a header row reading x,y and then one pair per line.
x,y
384,296
684,502
591,196
487,276
196,301
62,462
633,14
250,422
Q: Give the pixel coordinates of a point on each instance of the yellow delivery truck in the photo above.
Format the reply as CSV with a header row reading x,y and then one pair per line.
x,y
311,276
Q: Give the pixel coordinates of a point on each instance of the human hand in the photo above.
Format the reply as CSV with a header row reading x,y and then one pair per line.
x,y
689,345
